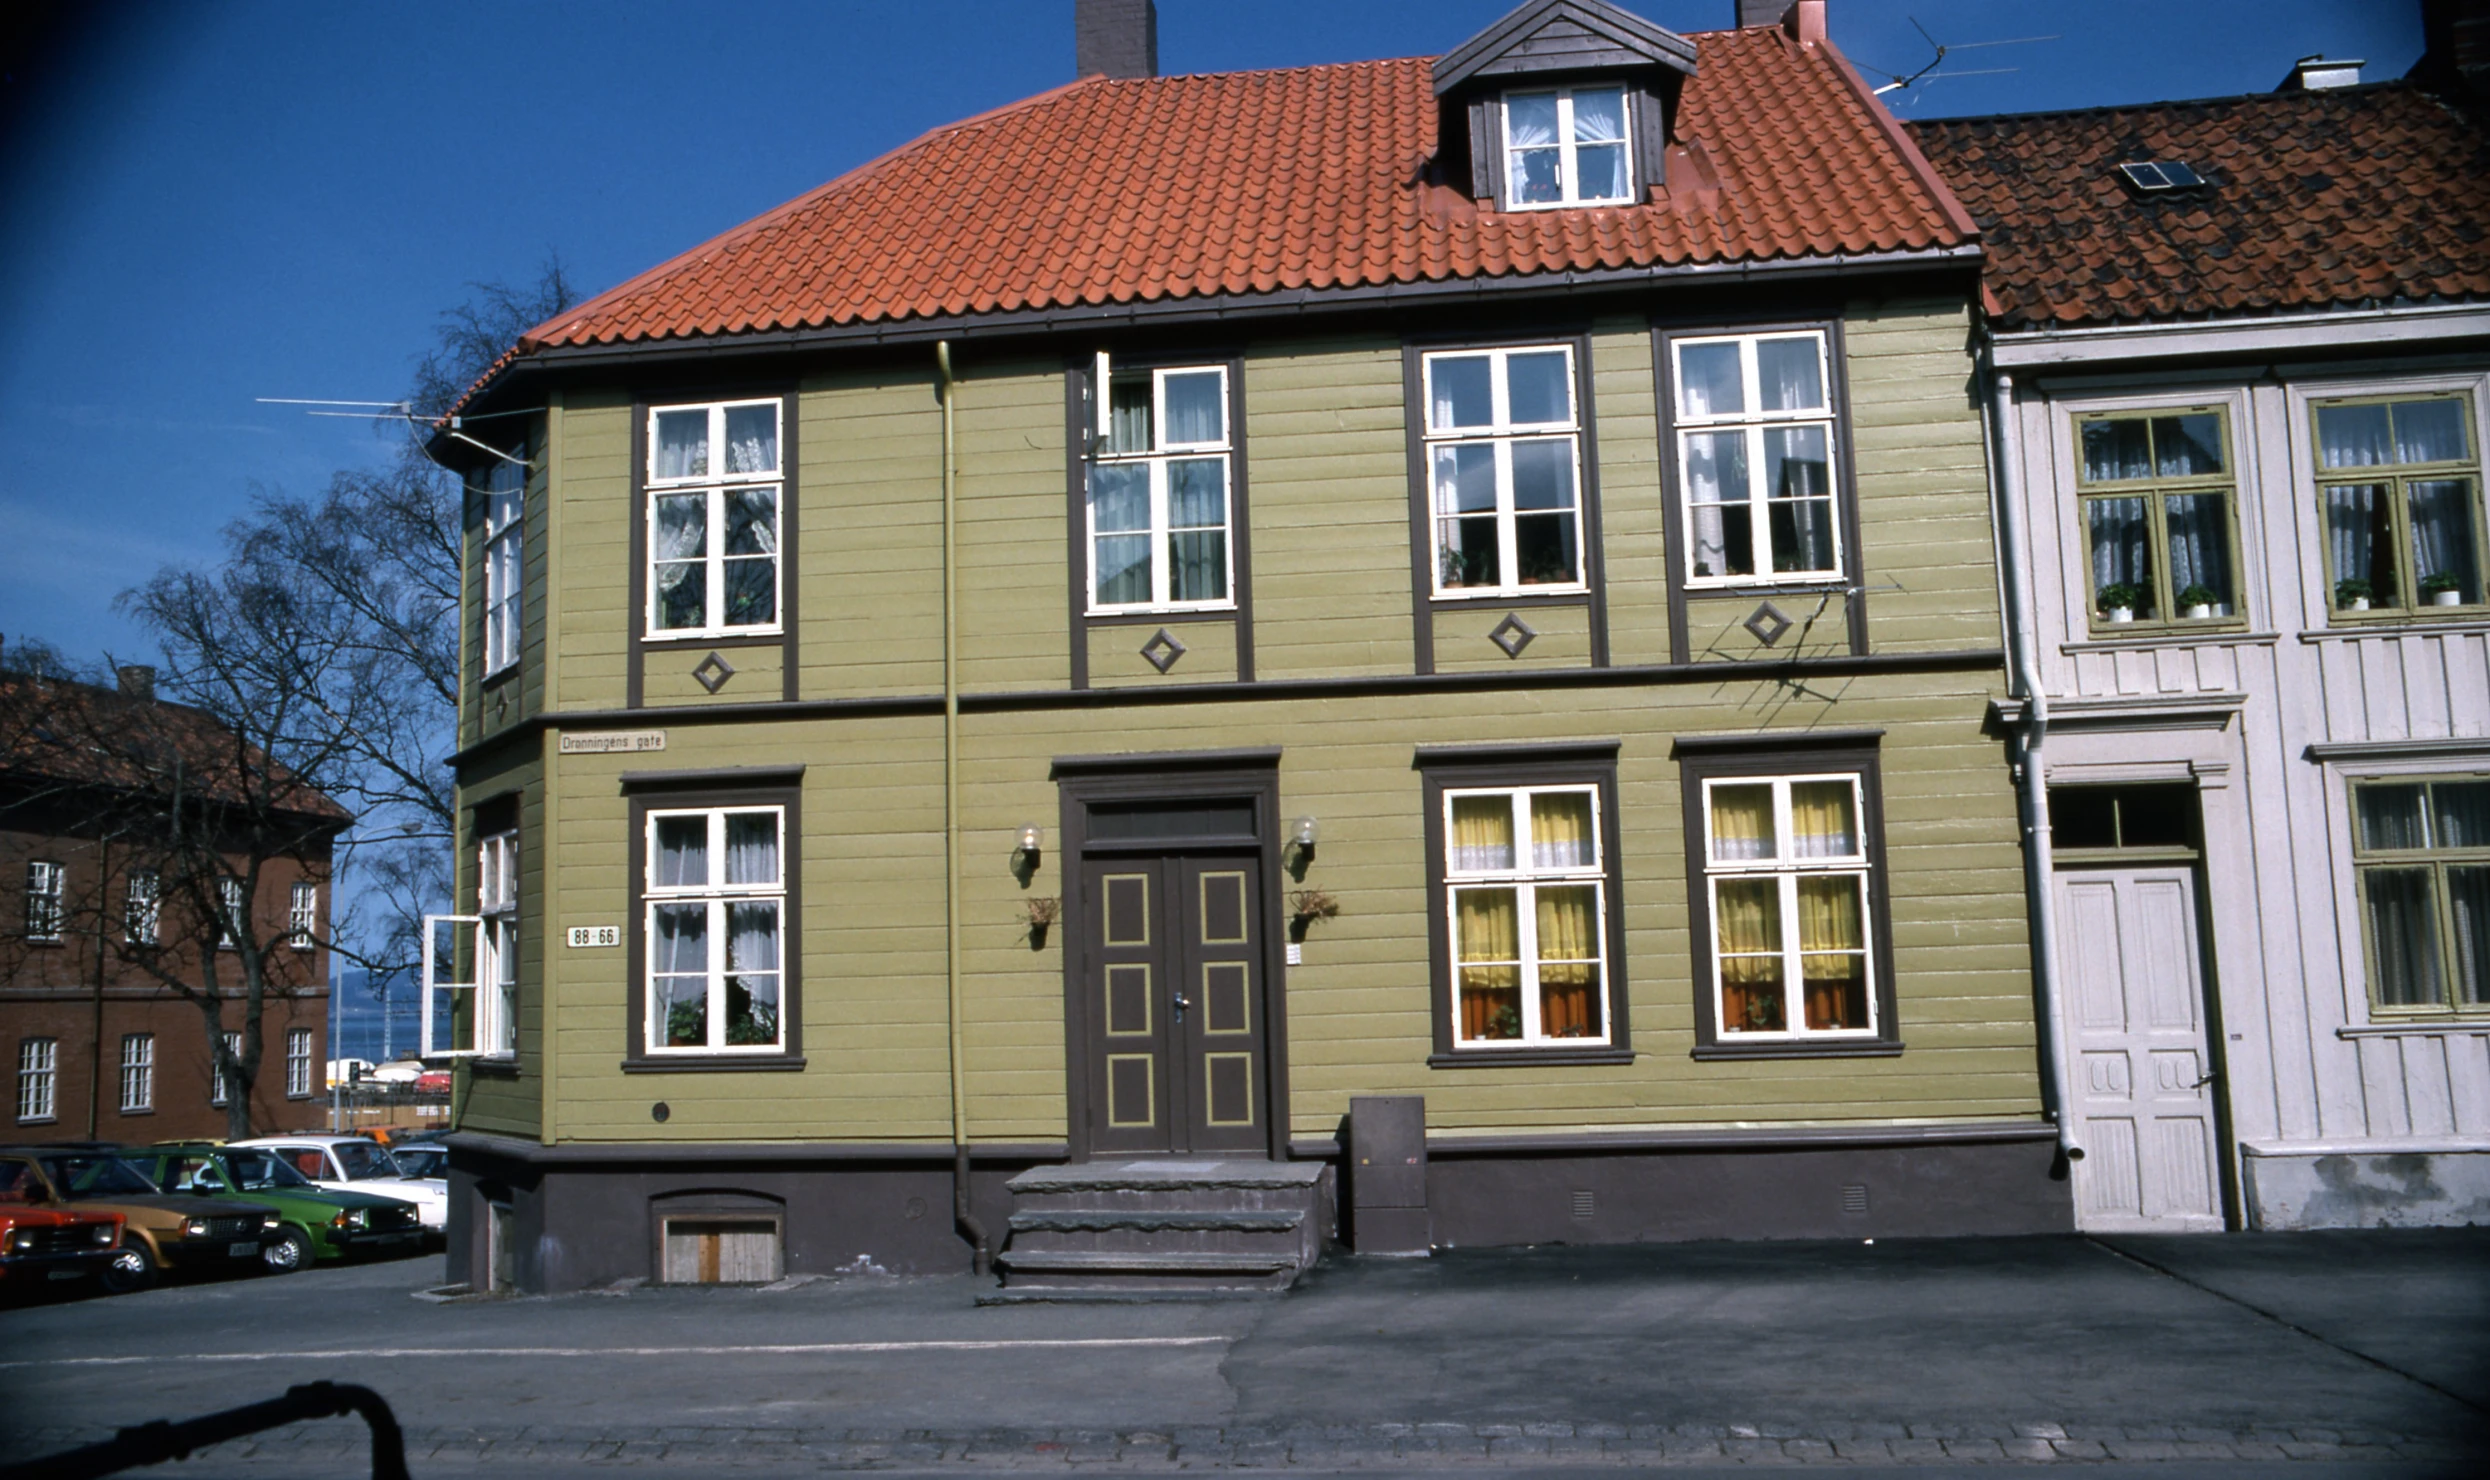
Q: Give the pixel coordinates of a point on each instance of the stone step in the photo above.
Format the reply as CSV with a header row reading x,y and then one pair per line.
x,y
1164,1262
1158,1220
1168,1176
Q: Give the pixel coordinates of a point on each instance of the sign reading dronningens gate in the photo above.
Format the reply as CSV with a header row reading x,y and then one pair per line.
x,y
608,742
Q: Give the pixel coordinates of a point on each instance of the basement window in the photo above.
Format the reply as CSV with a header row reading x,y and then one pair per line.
x,y
721,1251
2157,176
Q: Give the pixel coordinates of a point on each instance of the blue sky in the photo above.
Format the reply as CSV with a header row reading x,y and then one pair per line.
x,y
209,203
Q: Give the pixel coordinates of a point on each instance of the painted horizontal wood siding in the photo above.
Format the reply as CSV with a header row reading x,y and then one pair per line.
x,y
2236,708
1929,557
1358,1010
596,591
509,1101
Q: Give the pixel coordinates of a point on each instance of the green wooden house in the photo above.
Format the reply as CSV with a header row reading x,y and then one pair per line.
x,y
1398,650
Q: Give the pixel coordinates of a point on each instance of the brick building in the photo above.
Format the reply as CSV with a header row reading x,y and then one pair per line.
x,y
98,1045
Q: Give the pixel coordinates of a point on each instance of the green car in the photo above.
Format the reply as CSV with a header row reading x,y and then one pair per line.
x,y
320,1223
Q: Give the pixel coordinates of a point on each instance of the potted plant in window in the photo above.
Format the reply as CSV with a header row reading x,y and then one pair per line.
x,y
2442,589
2197,601
2351,594
2118,602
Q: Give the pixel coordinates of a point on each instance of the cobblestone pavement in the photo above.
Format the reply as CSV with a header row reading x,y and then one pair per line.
x,y
2347,1355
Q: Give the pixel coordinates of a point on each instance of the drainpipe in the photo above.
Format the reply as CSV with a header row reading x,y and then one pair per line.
x,y
2024,682
961,1212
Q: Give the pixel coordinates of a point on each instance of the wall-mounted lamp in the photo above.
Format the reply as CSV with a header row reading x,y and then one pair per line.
x,y
1299,850
1032,847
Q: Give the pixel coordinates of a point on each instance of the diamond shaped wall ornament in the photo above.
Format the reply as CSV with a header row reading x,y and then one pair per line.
x,y
1162,650
501,703
1767,622
713,672
1512,634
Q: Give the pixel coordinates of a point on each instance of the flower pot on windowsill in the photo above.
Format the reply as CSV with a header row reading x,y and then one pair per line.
x,y
2201,612
2357,604
2120,616
2446,598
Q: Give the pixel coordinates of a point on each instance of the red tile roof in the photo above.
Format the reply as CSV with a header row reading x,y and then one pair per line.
x,y
2338,197
1128,191
60,736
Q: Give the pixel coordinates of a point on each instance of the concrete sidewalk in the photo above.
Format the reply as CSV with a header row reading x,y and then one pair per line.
x,y
2363,1346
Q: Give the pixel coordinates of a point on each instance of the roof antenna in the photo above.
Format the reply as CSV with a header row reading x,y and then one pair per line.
x,y
1901,83
387,411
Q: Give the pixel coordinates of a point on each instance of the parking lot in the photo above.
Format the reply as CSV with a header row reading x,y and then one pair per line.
x,y
2362,1348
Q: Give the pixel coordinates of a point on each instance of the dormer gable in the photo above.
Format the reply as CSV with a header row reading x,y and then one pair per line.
x,y
1562,103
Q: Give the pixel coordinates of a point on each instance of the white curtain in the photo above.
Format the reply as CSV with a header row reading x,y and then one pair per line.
x,y
1788,375
2200,553
683,444
2442,532
682,852
752,848
752,439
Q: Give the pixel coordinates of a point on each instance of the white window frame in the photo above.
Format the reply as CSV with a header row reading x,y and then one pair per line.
x,y
435,985
47,888
38,1080
138,1073
1788,869
220,1089
1503,434
497,944
1569,170
1157,458
715,486
298,1063
1524,879
302,915
1753,422
505,548
717,895
142,907
232,908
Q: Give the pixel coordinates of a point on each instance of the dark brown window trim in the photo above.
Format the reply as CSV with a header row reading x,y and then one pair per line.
x,y
500,1066
1076,424
1664,333
721,778
790,1054
1174,776
1557,763
1424,604
1704,758
639,644
1023,701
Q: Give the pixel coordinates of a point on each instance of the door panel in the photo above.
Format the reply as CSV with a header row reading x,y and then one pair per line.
x,y
2137,1051
1177,1050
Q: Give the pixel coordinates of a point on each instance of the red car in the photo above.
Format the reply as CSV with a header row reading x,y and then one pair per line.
x,y
42,1244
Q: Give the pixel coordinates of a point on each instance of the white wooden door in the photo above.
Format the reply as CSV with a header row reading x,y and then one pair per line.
x,y
2133,1004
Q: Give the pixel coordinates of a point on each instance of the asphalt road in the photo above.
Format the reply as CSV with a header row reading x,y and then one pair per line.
x,y
2369,1347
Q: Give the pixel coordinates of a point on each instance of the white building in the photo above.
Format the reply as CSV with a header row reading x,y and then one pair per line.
x,y
2240,367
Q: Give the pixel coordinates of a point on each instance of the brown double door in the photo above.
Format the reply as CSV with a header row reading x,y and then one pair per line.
x,y
1177,1027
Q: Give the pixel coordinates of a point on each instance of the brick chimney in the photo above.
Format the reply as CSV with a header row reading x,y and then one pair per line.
x,y
1115,38
1803,19
2457,35
138,680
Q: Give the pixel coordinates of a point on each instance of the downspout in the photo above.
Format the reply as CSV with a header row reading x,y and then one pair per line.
x,y
961,1212
2024,683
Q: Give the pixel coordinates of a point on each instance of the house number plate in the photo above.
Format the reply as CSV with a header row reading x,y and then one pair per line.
x,y
595,935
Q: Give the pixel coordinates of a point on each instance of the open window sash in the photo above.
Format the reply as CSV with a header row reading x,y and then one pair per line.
x,y
464,935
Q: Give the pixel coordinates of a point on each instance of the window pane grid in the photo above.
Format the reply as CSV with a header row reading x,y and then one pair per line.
x,y
713,541
1160,494
2399,491
38,1064
138,1072
497,940
46,885
2422,847
1526,907
2166,533
504,503
1503,458
716,890
1755,431
297,1062
1788,892
1567,147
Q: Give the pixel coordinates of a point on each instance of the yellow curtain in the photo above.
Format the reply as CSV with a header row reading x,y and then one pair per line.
x,y
1482,832
1569,1004
1823,820
1747,913
1488,925
1741,823
1560,830
1833,952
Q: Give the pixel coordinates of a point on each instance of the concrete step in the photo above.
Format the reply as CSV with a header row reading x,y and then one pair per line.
x,y
1145,1229
1159,1220
1134,1261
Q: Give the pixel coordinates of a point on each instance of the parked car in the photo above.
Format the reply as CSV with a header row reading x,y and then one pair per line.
x,y
319,1223
425,1160
161,1231
358,1164
39,1245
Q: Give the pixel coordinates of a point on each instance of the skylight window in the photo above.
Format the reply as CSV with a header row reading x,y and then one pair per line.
x,y
2160,175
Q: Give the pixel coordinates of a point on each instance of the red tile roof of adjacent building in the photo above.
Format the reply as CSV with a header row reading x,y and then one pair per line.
x,y
2318,199
1133,191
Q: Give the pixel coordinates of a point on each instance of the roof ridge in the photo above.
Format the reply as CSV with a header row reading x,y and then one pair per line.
x,y
2383,84
579,312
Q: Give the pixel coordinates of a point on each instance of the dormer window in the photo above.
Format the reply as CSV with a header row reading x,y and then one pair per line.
x,y
1567,148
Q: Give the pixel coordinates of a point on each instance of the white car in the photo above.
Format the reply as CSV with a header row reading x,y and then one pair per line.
x,y
357,1164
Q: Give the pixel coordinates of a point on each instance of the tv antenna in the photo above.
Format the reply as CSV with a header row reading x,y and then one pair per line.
x,y
1929,73
384,411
